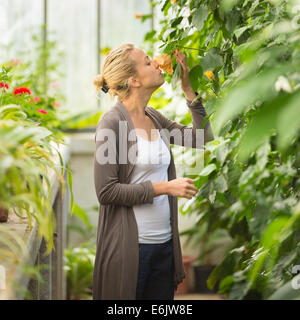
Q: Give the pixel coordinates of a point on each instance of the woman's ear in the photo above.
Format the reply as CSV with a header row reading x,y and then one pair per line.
x,y
133,82
130,82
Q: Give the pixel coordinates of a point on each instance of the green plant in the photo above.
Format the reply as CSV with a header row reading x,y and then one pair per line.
x,y
79,261
249,186
29,130
40,67
25,157
88,230
79,265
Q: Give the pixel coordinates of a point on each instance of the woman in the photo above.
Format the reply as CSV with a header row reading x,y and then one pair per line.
x,y
138,248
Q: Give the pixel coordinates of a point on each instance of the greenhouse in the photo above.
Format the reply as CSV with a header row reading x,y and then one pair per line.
x,y
149,150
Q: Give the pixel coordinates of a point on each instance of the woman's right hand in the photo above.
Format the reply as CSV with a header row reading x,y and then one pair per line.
x,y
182,187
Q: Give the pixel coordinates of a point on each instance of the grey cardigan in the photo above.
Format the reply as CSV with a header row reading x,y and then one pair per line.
x,y
117,254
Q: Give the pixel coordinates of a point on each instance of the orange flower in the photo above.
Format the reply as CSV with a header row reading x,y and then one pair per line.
x,y
165,62
138,15
210,75
173,1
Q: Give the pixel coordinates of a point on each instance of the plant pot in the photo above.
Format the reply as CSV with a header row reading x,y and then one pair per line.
x,y
201,274
183,287
3,214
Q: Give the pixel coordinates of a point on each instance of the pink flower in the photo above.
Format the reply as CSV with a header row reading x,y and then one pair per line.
x,y
36,99
42,111
54,84
6,86
14,62
56,104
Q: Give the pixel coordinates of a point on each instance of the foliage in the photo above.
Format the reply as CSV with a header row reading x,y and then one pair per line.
x,y
249,186
29,133
79,265
25,157
88,230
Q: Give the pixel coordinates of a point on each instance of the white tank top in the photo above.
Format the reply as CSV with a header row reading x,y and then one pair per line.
x,y
153,219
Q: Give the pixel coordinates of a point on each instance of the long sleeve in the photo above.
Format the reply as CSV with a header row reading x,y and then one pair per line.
x,y
108,188
198,114
184,135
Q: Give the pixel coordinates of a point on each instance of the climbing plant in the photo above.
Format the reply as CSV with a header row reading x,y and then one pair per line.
x,y
244,60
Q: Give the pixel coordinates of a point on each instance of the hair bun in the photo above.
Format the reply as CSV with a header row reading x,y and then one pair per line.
x,y
99,81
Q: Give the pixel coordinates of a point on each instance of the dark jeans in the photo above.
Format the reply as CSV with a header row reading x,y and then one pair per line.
x,y
156,270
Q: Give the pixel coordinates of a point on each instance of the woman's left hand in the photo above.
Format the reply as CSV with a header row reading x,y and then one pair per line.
x,y
185,82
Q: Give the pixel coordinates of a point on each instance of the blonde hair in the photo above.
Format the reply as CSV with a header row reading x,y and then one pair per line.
x,y
118,67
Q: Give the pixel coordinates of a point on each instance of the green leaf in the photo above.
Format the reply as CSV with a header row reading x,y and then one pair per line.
x,y
176,21
176,75
259,221
289,123
232,19
149,35
208,170
200,16
195,74
212,59
82,215
213,277
247,176
239,290
69,179
166,7
226,284
245,93
271,237
212,196
262,155
238,32
221,183
279,114
222,152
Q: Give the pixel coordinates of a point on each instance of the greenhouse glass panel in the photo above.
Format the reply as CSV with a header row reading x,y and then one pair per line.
x,y
75,28
18,19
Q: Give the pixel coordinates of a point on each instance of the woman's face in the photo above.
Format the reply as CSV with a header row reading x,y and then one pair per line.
x,y
149,74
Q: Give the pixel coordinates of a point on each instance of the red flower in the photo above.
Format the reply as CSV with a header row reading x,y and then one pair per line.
x,y
22,90
2,85
42,111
